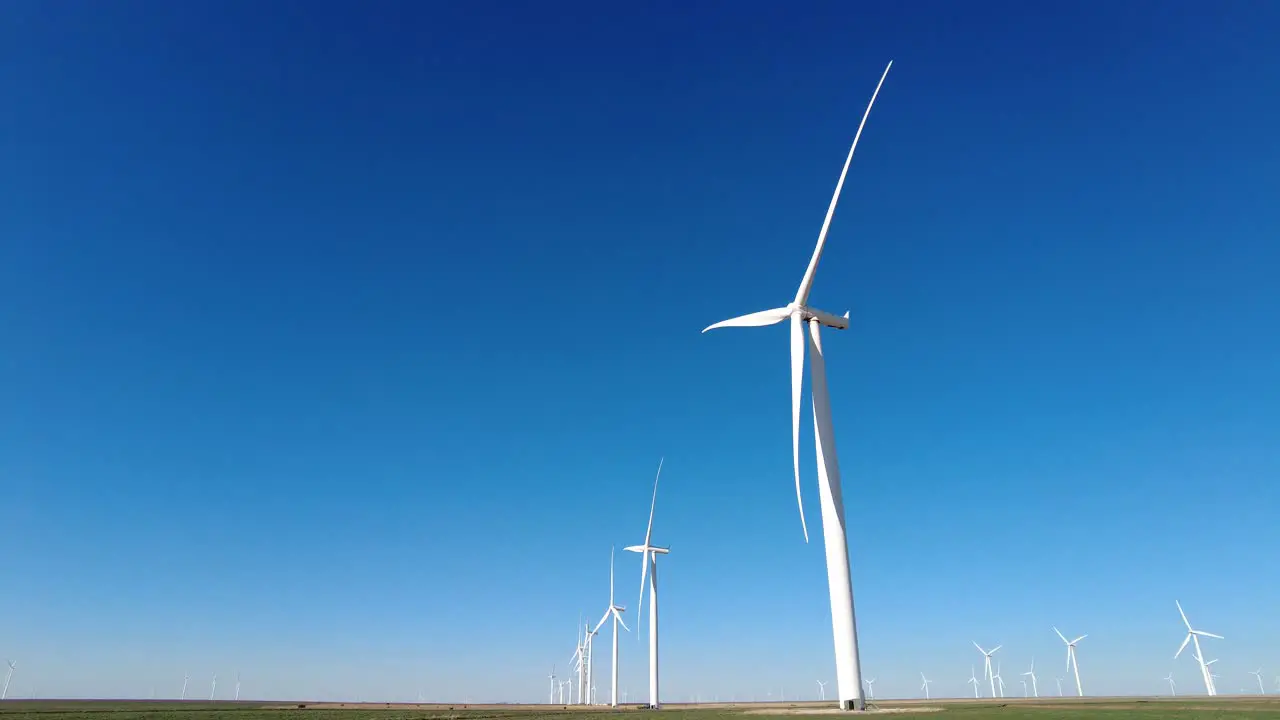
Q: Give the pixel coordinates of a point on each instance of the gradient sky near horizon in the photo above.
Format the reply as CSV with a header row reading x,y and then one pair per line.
x,y
341,341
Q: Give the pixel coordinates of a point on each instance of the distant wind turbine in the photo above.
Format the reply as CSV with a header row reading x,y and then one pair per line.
x,y
186,677
214,687
614,611
835,541
986,665
999,680
822,690
649,566
871,688
1024,687
1261,690
973,680
1059,686
1073,663
1173,688
925,685
237,686
13,664
1035,690
1193,636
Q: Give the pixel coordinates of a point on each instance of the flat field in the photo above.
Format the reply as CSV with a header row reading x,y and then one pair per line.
x,y
1248,707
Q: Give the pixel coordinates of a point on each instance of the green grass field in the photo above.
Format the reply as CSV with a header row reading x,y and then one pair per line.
x,y
1253,708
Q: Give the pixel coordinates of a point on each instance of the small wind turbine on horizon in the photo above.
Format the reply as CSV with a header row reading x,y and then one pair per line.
x,y
987,674
214,687
822,690
1193,636
973,680
649,567
551,699
186,677
1258,673
1032,673
925,685
999,680
835,539
613,611
237,686
1059,686
871,688
13,664
1073,663
1173,689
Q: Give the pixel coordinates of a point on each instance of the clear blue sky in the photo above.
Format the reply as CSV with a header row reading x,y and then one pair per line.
x,y
340,342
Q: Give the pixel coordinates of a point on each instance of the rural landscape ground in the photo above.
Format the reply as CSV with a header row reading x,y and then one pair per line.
x,y
1251,707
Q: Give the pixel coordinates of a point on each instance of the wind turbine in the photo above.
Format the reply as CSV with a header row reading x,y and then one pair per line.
x,y
590,661
551,699
925,685
999,680
986,665
186,677
1213,677
822,690
973,679
1059,686
579,666
615,611
1258,673
649,566
1024,688
214,687
237,686
1173,689
1193,636
1032,673
1072,662
13,664
871,688
840,587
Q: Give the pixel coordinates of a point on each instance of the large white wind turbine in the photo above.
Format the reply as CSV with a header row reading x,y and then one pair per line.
x,y
13,664
1032,673
1173,689
579,666
973,680
840,586
649,566
987,674
999,680
1193,636
551,698
1073,663
613,611
925,685
1258,673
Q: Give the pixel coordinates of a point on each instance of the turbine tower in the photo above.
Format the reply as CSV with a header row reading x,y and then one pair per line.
x,y
840,586
551,699
1072,662
13,664
986,665
1173,689
649,566
1032,673
1193,636
613,611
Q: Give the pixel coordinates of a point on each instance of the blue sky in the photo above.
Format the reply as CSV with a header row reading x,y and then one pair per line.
x,y
341,342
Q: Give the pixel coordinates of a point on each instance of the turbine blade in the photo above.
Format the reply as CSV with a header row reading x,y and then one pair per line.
x,y
1073,642
621,622
755,319
1064,637
648,534
644,575
1185,621
994,649
1183,646
1202,633
797,378
610,576
802,295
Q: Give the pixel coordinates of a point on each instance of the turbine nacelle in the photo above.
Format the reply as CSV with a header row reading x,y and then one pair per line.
x,y
777,315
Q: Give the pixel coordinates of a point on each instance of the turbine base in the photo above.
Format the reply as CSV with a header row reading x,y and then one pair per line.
x,y
853,705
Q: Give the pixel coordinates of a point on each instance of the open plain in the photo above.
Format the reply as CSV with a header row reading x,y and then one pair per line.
x,y
1195,708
